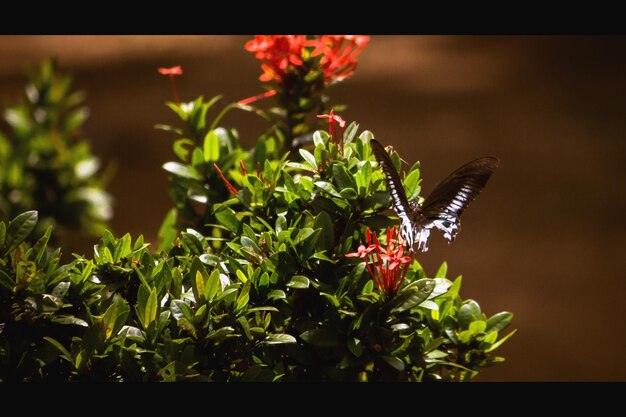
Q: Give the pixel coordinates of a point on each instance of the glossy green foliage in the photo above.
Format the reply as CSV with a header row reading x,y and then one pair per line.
x,y
257,288
46,164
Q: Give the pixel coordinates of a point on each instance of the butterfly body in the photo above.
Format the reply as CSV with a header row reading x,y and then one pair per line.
x,y
443,207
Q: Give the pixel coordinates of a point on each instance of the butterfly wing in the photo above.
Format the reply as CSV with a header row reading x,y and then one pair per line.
x,y
399,200
443,207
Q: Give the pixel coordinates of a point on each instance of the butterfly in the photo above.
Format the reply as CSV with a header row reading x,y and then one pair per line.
x,y
443,207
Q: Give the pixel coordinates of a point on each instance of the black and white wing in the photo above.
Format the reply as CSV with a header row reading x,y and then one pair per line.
x,y
399,200
443,207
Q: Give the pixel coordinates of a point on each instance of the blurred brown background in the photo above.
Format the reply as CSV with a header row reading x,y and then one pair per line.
x,y
543,241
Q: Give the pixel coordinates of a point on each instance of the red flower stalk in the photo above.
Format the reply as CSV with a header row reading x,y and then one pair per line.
x,y
387,266
339,54
257,97
230,187
335,128
276,53
177,70
259,171
242,168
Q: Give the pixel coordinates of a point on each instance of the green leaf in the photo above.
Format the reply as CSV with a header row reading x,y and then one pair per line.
x,y
394,362
61,289
276,295
3,234
180,309
19,229
40,247
299,281
327,237
477,326
350,132
308,157
213,285
376,200
349,194
302,235
342,177
355,346
150,312
436,354
468,312
413,295
167,231
242,277
491,337
442,271
411,185
115,317
278,339
499,321
65,354
453,291
328,187
122,248
263,308
69,320
211,146
181,170
431,305
192,242
321,337
60,274
317,138
105,256
500,342
198,288
398,327
219,334
181,150
226,216
243,297
6,281
181,110
321,256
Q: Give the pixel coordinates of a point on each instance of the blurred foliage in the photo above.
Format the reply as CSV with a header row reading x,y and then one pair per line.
x,y
46,164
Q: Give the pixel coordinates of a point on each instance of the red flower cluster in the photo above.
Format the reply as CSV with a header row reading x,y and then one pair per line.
x,y
277,52
387,266
339,54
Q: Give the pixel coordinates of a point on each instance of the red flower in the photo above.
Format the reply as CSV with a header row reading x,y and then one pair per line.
x,y
336,133
362,252
276,53
257,97
387,266
230,187
177,70
339,54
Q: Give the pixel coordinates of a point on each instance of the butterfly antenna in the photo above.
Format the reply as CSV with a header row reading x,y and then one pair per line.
x,y
390,149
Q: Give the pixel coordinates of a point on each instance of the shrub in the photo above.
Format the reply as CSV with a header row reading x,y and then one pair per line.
x,y
45,162
257,276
